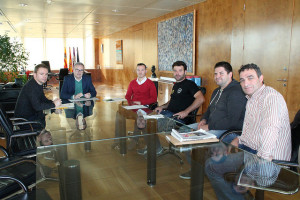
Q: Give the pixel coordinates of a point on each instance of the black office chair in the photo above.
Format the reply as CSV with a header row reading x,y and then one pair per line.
x,y
9,96
15,174
50,75
20,141
62,73
294,163
18,174
192,117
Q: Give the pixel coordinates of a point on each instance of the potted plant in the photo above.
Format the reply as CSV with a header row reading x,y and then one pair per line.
x,y
13,57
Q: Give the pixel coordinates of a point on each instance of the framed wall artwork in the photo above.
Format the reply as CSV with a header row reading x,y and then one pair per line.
x,y
119,52
176,41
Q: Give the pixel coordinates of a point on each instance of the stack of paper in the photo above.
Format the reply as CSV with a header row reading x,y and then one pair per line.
x,y
114,99
134,107
84,99
153,116
190,136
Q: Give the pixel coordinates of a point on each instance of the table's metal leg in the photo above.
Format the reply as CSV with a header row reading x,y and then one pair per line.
x,y
61,157
122,124
151,152
72,180
197,174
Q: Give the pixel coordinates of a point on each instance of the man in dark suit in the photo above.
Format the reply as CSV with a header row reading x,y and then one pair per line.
x,y
78,85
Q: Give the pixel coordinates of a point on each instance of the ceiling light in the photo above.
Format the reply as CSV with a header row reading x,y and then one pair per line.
x,y
23,4
96,22
115,10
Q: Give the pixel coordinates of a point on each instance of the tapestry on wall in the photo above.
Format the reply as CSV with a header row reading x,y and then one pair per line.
x,y
176,42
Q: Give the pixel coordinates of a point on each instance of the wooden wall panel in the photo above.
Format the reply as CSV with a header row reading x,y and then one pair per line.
x,y
213,38
267,39
237,42
293,89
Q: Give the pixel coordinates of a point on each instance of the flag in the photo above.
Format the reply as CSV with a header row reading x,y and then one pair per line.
x,y
74,56
65,59
70,61
77,55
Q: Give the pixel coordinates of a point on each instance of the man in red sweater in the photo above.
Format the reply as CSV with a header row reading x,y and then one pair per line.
x,y
142,90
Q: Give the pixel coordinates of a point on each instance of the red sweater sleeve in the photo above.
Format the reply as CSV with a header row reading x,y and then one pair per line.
x,y
129,92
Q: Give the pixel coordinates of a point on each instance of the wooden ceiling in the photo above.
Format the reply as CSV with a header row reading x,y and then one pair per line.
x,y
79,18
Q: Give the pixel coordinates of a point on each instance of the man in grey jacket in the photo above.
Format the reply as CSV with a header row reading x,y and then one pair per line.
x,y
226,109
227,106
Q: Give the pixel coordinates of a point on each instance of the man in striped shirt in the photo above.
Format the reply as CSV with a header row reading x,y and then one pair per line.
x,y
266,128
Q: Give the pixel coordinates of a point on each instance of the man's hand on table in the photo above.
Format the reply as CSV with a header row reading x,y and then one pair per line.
x,y
158,109
77,96
181,115
204,127
87,95
57,102
136,103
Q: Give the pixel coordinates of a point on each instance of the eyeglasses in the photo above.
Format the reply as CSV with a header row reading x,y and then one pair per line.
x,y
79,70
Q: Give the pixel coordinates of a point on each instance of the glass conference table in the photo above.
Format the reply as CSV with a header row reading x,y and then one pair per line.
x,y
97,159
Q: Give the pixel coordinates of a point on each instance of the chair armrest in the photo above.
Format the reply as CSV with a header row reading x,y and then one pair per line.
x,y
24,133
20,183
229,132
27,122
13,161
4,151
17,118
286,163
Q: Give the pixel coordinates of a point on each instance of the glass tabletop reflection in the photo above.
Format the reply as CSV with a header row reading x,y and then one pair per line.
x,y
90,151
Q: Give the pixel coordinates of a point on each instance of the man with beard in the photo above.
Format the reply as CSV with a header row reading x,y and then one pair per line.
x,y
227,106
185,96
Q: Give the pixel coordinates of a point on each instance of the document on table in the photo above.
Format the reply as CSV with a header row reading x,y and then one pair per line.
x,y
153,116
114,99
134,107
84,99
65,106
194,135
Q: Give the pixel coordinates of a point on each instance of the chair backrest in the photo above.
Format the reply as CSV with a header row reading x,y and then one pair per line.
x,y
295,131
23,145
62,73
6,126
202,89
193,114
47,63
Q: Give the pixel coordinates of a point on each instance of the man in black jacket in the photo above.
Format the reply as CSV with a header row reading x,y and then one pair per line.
x,y
32,101
227,106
